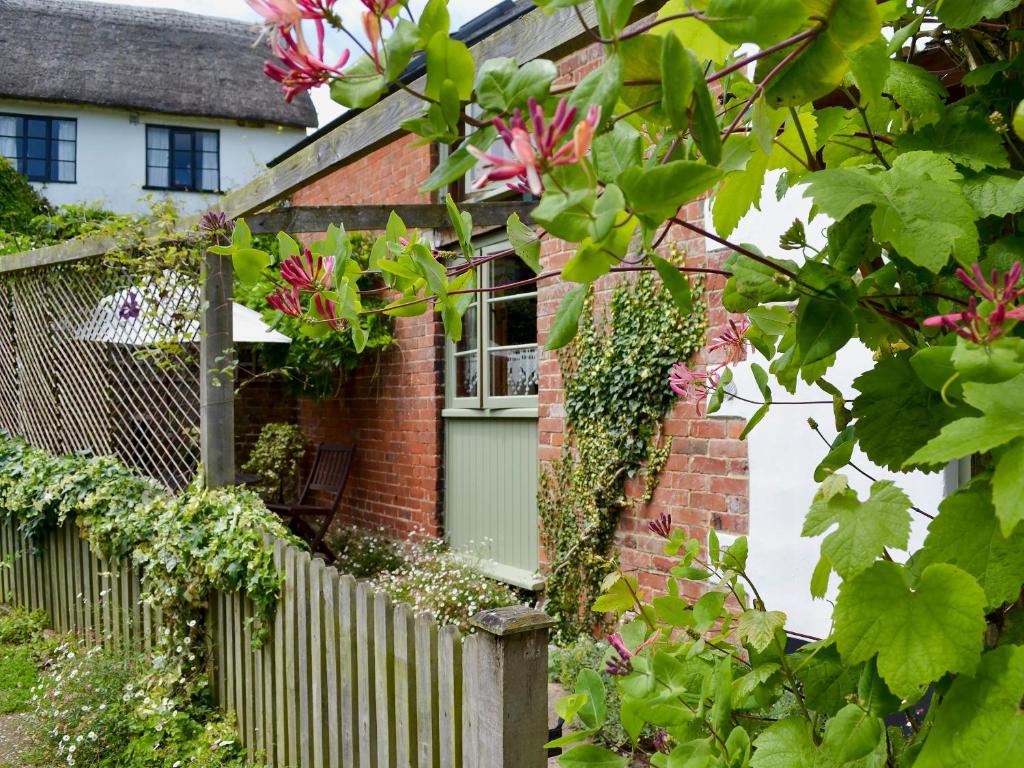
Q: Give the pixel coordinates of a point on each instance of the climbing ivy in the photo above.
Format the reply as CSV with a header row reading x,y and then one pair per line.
x,y
615,401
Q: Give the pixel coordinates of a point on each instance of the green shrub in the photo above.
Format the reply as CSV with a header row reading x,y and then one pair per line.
x,y
19,201
565,665
19,626
444,583
364,553
96,713
275,458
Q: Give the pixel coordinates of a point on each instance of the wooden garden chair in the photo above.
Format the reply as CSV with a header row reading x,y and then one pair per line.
x,y
328,476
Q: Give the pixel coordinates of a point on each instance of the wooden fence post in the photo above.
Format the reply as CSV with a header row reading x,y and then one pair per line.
x,y
510,698
217,391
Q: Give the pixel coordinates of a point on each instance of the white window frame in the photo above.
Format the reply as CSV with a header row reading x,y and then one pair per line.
x,y
483,403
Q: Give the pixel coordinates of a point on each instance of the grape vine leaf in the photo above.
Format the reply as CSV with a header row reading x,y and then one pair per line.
x,y
785,744
965,13
1008,487
1001,420
896,414
919,635
863,529
758,628
964,136
919,204
966,534
916,90
852,734
980,722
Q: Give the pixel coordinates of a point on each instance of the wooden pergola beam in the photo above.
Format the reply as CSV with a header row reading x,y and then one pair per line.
x,y
361,218
532,36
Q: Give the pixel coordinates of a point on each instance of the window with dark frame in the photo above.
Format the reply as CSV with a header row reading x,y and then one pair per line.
x,y
40,148
186,159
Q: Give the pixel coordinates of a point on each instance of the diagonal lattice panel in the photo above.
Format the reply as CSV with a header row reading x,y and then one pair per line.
x,y
102,358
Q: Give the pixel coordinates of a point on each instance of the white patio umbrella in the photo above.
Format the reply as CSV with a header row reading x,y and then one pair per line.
x,y
153,314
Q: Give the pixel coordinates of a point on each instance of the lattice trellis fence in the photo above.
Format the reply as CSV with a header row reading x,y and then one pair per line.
x,y
102,358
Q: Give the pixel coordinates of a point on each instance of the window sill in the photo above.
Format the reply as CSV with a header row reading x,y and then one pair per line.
x,y
509,574
489,413
181,189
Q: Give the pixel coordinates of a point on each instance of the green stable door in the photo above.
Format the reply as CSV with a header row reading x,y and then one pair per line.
x,y
491,427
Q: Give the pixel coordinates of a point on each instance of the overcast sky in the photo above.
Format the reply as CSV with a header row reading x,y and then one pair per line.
x,y
461,11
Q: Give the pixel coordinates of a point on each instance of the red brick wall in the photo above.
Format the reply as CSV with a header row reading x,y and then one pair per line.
x,y
392,409
392,174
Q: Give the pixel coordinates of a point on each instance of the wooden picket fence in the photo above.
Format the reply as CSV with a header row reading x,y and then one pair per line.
x,y
347,678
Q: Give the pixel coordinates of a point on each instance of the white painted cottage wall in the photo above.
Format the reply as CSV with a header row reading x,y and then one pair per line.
x,y
783,450
111,152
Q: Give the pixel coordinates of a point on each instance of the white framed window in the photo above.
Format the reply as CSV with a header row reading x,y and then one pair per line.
x,y
495,364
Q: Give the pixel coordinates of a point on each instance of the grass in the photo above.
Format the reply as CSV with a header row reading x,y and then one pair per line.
x,y
22,745
19,673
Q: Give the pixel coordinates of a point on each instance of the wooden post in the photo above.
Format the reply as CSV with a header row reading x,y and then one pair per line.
x,y
216,358
510,687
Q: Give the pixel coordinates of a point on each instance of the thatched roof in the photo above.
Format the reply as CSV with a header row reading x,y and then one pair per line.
x,y
148,59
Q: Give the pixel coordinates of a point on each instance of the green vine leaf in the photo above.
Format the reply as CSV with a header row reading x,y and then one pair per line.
x,y
567,319
967,534
919,634
979,722
758,628
863,529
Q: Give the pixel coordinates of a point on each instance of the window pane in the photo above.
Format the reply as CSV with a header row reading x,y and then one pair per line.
x,y
65,171
206,141
35,148
513,321
35,169
511,269
62,150
182,167
9,148
467,375
469,328
183,140
158,138
35,128
64,130
157,158
157,177
209,180
9,125
514,372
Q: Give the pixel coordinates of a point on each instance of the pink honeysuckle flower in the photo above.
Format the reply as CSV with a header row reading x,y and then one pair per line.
x,y
371,26
621,664
287,13
286,300
302,68
327,309
693,386
307,272
731,340
971,324
661,526
382,9
535,150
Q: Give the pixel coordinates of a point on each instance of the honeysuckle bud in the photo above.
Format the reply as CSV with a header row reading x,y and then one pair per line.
x,y
286,300
969,323
327,309
662,526
308,272
371,27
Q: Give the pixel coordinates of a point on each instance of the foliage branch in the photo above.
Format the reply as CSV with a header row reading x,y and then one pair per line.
x,y
903,123
186,545
614,375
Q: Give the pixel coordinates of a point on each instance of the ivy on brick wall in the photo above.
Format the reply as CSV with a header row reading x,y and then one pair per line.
x,y
616,399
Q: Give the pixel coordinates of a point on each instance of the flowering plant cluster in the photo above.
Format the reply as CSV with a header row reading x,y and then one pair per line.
x,y
97,713
903,124
444,583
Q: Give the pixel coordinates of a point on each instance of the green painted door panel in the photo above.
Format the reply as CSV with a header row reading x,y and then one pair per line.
x,y
491,493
